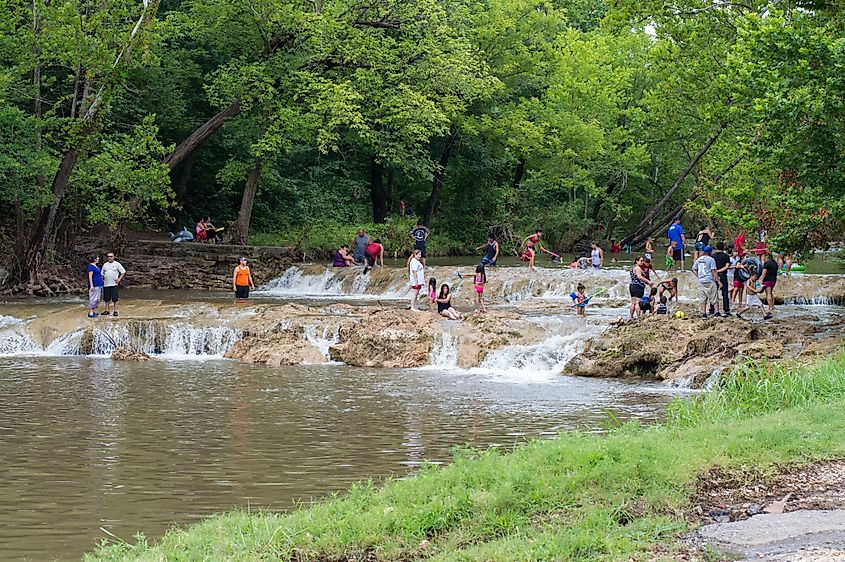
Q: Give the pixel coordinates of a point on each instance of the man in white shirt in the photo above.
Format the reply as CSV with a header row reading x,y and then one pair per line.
x,y
113,274
708,279
416,272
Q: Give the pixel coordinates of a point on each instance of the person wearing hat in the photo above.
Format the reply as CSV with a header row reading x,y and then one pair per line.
x,y
708,279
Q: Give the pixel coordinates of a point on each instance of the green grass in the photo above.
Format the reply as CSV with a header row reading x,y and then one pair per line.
x,y
579,497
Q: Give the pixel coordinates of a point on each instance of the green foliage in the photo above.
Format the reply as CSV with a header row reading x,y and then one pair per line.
x,y
581,496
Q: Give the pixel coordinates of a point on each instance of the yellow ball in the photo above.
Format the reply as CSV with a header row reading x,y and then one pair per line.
x,y
679,314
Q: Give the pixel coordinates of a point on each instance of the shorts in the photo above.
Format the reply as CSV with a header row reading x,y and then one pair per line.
x,y
645,307
479,288
753,300
708,293
110,294
420,245
241,292
699,246
678,255
770,284
416,287
371,260
737,284
636,290
94,296
485,261
359,258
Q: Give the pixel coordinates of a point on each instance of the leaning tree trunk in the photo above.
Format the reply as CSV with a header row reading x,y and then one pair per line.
x,y
199,136
437,180
240,233
378,195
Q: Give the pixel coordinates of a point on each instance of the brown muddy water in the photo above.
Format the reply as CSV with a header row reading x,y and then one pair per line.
x,y
90,444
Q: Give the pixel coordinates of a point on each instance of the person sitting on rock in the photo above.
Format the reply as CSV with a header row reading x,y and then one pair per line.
x,y
444,304
342,257
202,235
213,234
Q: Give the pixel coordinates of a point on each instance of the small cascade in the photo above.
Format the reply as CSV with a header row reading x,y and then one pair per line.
x,y
184,339
816,300
322,339
711,381
538,361
444,350
689,382
296,282
16,342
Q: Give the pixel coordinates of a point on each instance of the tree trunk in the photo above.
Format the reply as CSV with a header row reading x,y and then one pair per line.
x,y
650,216
184,177
391,181
519,174
437,180
241,228
378,195
200,135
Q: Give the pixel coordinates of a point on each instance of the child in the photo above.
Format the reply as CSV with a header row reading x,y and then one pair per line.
x,y
432,291
649,248
478,282
662,309
444,304
646,301
751,298
670,261
580,300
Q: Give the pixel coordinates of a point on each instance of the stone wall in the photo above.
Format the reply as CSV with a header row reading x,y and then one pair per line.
x,y
189,265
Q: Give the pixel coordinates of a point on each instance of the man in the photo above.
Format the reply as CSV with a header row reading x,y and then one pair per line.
x,y
374,254
419,235
416,272
769,280
492,254
678,241
113,274
723,264
359,246
242,280
705,269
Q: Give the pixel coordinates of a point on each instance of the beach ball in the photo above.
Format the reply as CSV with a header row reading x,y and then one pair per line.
x,y
679,314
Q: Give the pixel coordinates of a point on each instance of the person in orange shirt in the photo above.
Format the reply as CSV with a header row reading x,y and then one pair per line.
x,y
242,280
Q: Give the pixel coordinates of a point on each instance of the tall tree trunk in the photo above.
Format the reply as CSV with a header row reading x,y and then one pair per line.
x,y
241,228
519,173
437,180
391,181
184,177
200,135
652,214
378,195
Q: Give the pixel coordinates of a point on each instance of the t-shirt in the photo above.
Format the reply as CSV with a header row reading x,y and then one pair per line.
x,y
374,250
675,233
732,270
97,278
111,271
771,269
703,267
722,259
360,244
417,275
419,233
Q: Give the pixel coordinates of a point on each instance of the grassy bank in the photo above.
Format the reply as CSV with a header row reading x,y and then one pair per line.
x,y
578,497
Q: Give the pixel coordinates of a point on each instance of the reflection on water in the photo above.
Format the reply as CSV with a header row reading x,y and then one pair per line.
x,y
90,443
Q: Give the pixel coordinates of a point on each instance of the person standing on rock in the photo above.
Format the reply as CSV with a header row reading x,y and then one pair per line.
x,y
416,273
596,255
708,280
359,246
723,266
242,280
769,280
678,242
113,274
95,286
637,287
419,235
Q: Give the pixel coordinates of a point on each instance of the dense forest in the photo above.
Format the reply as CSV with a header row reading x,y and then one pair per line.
x,y
297,121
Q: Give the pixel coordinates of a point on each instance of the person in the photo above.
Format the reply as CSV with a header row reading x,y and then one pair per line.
x,y
213,235
678,240
342,257
784,261
530,242
478,282
432,291
662,308
769,280
649,249
723,265
739,244
374,254
669,286
708,280
646,303
752,297
95,286
615,248
732,274
637,287
416,273
492,247
580,300
444,304
113,273
703,239
242,280
670,261
419,235
202,235
359,246
596,255
647,268
401,207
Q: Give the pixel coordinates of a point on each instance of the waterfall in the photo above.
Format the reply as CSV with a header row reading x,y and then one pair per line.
x,y
537,362
816,300
444,350
322,339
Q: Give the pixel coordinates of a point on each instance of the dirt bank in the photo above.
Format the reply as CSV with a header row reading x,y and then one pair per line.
x,y
692,348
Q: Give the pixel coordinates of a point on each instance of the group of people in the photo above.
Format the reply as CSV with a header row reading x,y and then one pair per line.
x,y
207,233
103,283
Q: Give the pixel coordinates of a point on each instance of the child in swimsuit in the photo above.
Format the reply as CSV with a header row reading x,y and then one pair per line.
x,y
478,282
432,291
580,300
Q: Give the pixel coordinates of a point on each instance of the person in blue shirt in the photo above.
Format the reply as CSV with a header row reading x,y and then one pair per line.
x,y
677,241
95,286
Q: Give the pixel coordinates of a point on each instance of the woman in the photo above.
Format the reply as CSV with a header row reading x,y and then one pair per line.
x,y
670,286
596,255
213,234
529,242
444,304
342,257
702,240
95,286
637,287
202,235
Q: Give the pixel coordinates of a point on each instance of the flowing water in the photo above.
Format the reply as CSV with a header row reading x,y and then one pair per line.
x,y
90,444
